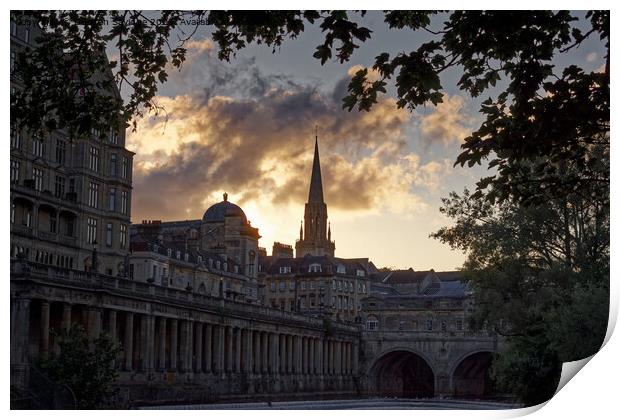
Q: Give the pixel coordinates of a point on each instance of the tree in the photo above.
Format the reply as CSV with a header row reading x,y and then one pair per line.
x,y
539,276
85,366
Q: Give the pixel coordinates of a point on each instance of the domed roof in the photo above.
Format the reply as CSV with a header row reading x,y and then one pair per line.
x,y
218,211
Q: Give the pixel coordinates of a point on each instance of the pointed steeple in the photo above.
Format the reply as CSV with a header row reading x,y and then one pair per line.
x,y
301,231
316,184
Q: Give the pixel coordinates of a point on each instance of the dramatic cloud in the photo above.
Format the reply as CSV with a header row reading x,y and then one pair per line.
x,y
448,123
259,149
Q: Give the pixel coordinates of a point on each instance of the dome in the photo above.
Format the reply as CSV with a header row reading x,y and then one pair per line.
x,y
218,211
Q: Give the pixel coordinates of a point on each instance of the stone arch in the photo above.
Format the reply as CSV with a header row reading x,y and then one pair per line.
x,y
469,376
402,372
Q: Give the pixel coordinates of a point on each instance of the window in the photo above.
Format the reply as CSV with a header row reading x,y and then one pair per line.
x,y
15,171
314,268
61,151
360,273
285,270
169,253
124,200
273,286
291,285
91,230
112,199
459,325
69,227
372,324
341,269
113,136
303,285
93,194
333,284
429,324
16,139
13,60
363,288
131,271
27,35
13,28
59,186
334,301
38,148
37,175
113,159
94,159
108,234
339,285
72,185
444,326
123,237
125,168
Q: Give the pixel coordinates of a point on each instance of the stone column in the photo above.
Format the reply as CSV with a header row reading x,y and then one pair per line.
x,y
275,353
190,346
282,349
66,316
238,350
208,341
327,353
338,357
355,358
112,325
198,344
128,341
218,350
162,344
94,322
311,356
304,354
20,325
150,342
264,352
229,349
331,357
319,358
289,354
174,328
247,351
256,351
183,341
45,328
299,354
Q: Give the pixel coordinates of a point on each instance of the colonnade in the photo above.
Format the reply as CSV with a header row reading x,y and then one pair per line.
x,y
154,343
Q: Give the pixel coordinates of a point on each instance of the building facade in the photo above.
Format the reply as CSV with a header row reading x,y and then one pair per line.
x,y
70,198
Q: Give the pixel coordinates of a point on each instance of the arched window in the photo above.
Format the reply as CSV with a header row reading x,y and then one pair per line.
x,y
372,323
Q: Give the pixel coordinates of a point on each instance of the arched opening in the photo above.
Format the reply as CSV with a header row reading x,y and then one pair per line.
x,y
67,223
402,374
471,378
22,212
48,219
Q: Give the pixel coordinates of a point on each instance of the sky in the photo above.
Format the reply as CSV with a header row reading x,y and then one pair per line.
x,y
247,128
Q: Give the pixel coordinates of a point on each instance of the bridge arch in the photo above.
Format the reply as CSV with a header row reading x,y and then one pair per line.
x,y
401,372
470,375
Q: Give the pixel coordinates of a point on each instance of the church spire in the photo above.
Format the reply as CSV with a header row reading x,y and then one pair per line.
x,y
316,184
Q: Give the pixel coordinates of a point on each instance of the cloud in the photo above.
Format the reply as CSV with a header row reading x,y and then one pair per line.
x,y
259,149
591,57
448,123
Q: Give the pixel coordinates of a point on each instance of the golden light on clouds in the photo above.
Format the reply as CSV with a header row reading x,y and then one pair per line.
x,y
259,150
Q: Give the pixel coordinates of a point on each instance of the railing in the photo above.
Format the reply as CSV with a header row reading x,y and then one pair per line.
x,y
74,277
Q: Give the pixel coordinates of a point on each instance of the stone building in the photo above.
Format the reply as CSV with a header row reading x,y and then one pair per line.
x,y
416,341
208,273
316,238
69,197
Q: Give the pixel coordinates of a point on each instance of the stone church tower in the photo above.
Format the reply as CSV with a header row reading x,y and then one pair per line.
x,y
316,239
